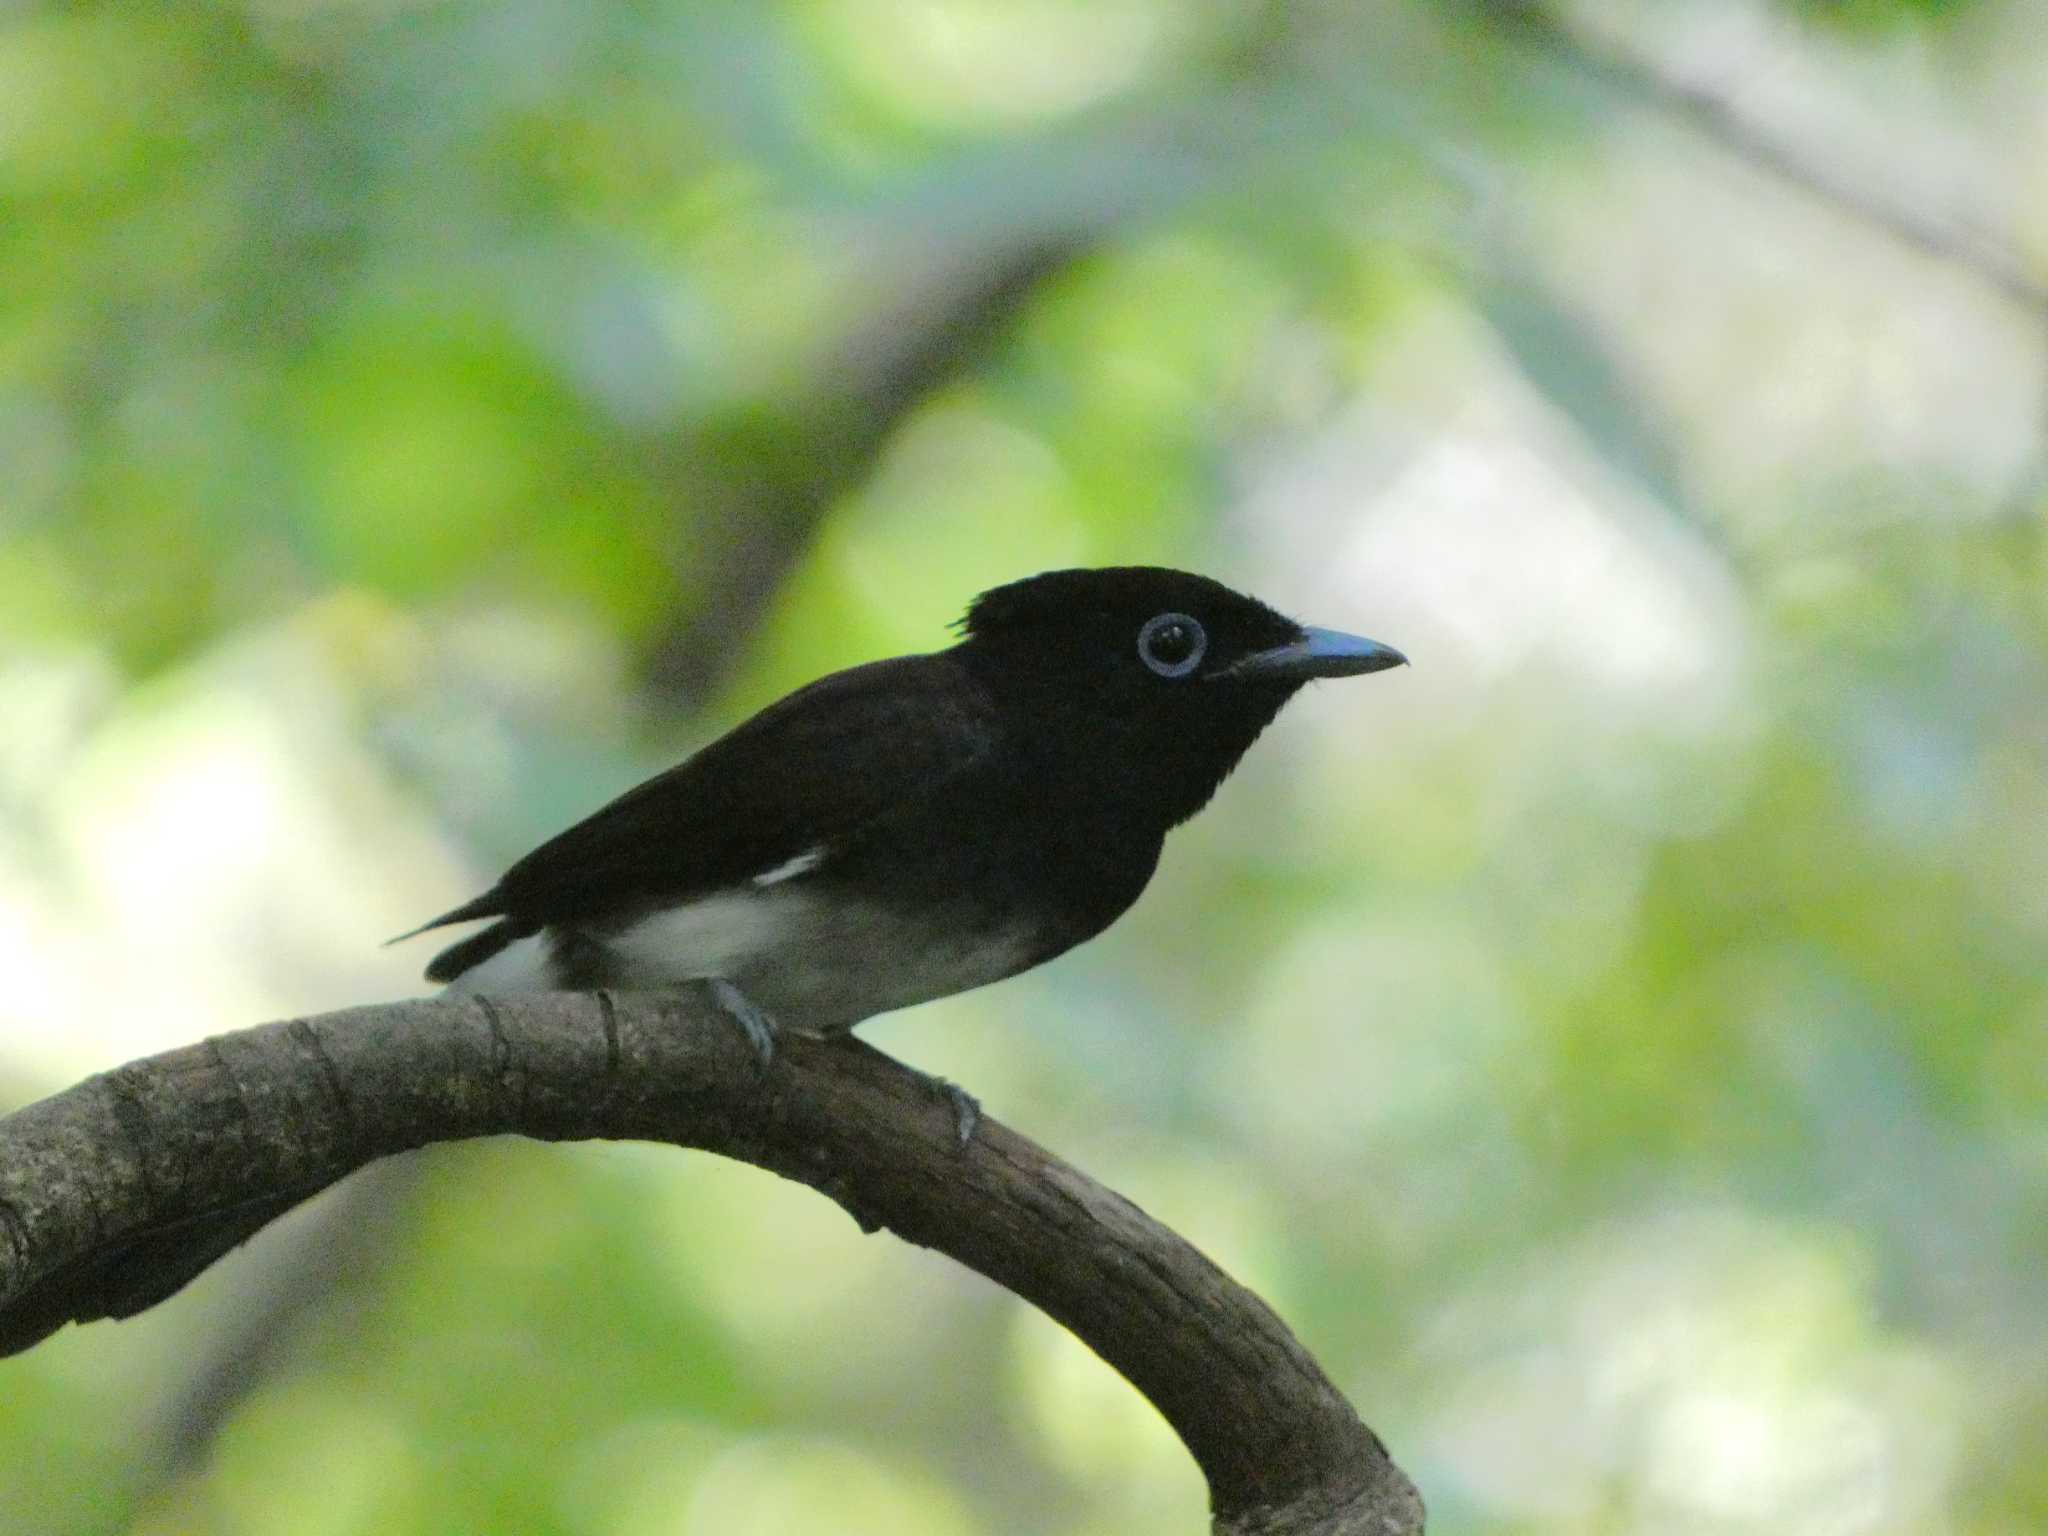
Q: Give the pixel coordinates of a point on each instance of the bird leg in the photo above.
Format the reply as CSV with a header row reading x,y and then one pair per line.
x,y
743,1011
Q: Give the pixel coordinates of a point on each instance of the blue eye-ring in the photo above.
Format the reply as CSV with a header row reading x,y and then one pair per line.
x,y
1172,644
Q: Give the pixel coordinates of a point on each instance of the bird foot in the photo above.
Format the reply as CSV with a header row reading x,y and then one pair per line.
x,y
966,1107
743,1011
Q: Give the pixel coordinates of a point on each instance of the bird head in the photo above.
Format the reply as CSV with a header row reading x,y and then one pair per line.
x,y
1146,685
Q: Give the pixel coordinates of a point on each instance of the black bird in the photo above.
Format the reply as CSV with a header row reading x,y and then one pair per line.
x,y
892,833
914,827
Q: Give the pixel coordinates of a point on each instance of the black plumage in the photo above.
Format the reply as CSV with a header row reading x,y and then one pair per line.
x,y
895,832
913,827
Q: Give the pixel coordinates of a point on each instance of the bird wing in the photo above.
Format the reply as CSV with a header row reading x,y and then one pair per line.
x,y
806,773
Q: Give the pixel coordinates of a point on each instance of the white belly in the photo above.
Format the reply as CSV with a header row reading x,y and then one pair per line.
x,y
812,965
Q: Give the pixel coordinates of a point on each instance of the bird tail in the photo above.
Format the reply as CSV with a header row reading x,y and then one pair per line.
x,y
473,951
478,947
490,904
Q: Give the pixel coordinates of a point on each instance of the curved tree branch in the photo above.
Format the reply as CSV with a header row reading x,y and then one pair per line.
x,y
107,1189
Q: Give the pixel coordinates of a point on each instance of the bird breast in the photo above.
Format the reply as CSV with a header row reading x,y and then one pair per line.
x,y
815,964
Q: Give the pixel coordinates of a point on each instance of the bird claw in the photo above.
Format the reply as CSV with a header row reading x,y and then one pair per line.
x,y
742,1010
966,1107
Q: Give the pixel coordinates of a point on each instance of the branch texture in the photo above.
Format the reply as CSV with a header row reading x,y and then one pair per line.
x,y
115,1191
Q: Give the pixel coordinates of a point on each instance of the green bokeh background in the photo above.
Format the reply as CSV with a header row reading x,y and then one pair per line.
x,y
1618,1044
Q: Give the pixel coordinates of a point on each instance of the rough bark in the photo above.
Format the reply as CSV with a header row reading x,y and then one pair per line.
x,y
101,1187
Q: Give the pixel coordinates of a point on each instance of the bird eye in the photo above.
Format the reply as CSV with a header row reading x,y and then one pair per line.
x,y
1172,644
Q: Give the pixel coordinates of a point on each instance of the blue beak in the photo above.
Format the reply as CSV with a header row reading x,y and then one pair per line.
x,y
1318,653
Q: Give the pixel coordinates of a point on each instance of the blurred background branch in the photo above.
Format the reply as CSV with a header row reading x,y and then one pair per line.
x,y
941,313
1711,107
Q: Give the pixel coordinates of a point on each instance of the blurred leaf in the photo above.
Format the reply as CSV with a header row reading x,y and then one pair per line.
x,y
1578,375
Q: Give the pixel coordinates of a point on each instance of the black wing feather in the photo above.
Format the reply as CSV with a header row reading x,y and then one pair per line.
x,y
809,770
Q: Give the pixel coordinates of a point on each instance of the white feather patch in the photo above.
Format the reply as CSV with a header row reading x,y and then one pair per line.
x,y
789,869
521,966
713,936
